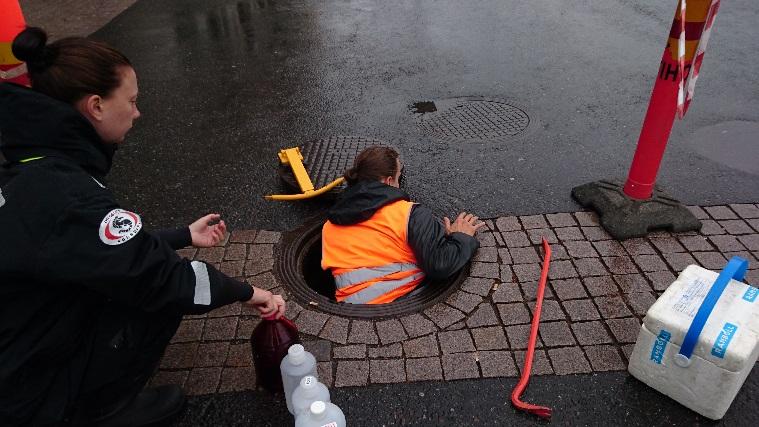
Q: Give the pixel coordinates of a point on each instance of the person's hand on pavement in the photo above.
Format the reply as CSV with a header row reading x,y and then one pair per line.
x,y
205,235
267,303
465,223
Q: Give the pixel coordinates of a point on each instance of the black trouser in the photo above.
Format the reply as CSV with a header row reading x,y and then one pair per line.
x,y
127,346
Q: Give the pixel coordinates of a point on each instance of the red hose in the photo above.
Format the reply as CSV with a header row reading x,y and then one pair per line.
x,y
541,411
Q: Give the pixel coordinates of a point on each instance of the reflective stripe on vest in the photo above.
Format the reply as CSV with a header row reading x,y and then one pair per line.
x,y
380,288
365,274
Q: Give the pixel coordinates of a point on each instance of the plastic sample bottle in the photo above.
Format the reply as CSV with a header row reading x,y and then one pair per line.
x,y
297,364
308,391
269,343
321,414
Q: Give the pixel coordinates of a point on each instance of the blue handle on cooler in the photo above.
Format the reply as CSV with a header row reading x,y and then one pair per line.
x,y
735,269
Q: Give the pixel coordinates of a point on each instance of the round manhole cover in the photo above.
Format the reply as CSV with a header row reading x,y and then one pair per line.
x,y
471,118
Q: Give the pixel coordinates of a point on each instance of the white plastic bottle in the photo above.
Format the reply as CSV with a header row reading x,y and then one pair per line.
x,y
297,364
321,414
308,391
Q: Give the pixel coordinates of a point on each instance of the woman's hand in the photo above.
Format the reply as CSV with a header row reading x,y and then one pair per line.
x,y
267,303
205,235
465,223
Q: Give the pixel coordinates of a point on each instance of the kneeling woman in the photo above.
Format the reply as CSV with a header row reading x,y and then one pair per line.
x,y
379,245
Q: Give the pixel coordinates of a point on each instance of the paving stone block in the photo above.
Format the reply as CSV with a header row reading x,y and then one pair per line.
x,y
754,223
581,309
640,302
566,234
550,311
698,212
515,239
477,285
311,322
235,252
540,363
239,355
527,272
720,212
638,246
456,326
210,255
595,233
264,281
527,255
590,267
561,220
485,238
632,283
609,248
464,301
727,243
624,330
588,219
484,315
601,285
508,223
189,330
530,290
383,352
556,334
245,326
293,310
426,369
745,210
486,254
336,330
387,371
507,274
265,236
497,364
661,279
324,371
237,379
536,236
257,266
620,264
519,336
169,377
711,260
568,289
589,333
505,256
678,261
580,249
444,315
242,236
188,253
514,314
228,310
750,241
488,270
533,221
667,245
743,254
202,381
455,341
568,360
460,366
321,349
178,356
390,331
422,347
558,253
491,338
232,268
507,292
416,325
736,226
354,351
224,328
696,243
352,373
650,262
612,307
212,354
562,270
710,227
604,358
260,252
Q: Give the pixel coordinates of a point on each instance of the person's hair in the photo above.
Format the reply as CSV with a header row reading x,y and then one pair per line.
x,y
70,68
373,164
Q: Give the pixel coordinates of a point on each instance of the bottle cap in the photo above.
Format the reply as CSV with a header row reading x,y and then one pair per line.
x,y
297,354
308,382
318,407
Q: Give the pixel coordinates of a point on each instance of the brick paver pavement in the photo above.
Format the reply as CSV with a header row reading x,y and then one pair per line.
x,y
598,292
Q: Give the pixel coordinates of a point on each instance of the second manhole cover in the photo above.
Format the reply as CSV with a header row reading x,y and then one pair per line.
x,y
471,118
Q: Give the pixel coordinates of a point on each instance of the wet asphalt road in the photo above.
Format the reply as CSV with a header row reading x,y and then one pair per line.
x,y
226,84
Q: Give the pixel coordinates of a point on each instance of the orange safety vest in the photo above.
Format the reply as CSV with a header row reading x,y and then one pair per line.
x,y
371,261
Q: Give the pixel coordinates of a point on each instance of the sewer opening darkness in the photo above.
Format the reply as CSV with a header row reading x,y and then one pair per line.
x,y
299,265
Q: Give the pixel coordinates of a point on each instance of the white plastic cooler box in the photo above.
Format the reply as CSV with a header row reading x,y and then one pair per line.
x,y
698,342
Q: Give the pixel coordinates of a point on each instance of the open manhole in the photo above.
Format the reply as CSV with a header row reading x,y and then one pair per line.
x,y
327,159
471,118
299,266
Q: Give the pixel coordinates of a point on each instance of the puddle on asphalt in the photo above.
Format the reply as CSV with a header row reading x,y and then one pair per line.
x,y
734,144
424,107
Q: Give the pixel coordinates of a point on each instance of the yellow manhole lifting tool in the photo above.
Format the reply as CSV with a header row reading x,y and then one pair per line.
x,y
293,158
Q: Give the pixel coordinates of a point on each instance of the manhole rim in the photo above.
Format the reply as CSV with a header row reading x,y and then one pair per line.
x,y
289,265
532,125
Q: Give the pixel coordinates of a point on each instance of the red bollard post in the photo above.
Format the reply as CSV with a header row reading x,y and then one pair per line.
x,y
11,23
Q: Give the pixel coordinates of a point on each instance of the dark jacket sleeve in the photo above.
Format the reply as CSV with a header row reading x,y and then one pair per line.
x,y
141,271
439,255
177,238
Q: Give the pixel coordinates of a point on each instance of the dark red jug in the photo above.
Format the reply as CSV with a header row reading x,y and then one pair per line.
x,y
269,343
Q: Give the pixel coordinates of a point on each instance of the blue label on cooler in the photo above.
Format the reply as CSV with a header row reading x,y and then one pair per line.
x,y
751,294
723,340
657,352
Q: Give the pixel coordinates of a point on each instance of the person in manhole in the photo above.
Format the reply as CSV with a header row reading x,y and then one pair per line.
x,y
379,245
88,298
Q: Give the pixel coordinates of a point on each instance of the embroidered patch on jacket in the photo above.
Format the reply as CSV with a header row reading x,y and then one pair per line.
x,y
119,226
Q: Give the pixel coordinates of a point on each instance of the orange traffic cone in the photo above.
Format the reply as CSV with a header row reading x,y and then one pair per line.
x,y
11,23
